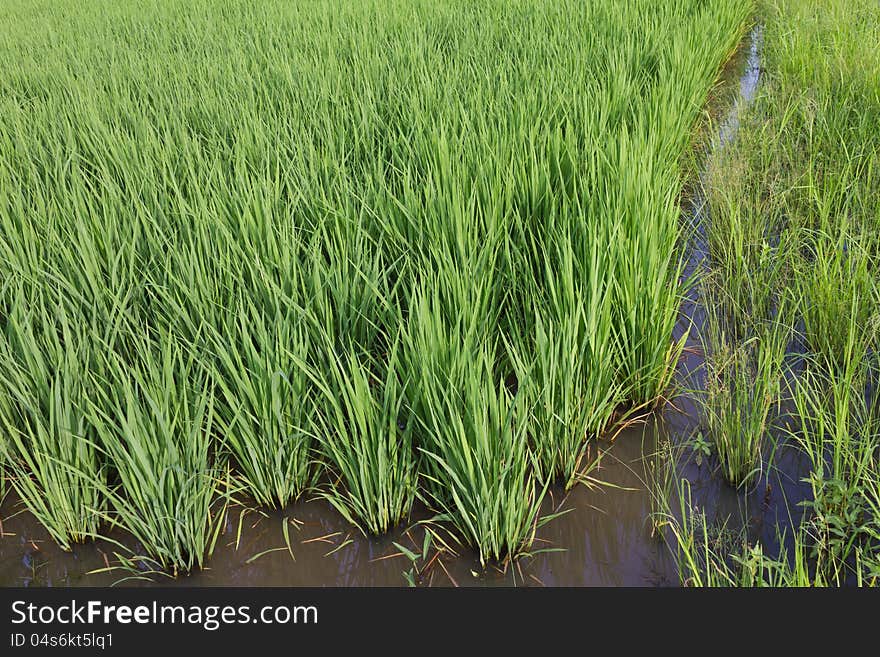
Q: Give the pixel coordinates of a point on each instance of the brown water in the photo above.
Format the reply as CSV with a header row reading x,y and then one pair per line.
x,y
605,532
604,537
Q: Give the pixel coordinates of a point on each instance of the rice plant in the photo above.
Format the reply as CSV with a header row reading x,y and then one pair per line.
x,y
264,400
363,428
48,449
567,365
154,422
472,431
743,383
285,227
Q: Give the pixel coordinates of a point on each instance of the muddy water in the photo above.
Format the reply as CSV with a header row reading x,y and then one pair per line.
x,y
604,532
603,537
773,504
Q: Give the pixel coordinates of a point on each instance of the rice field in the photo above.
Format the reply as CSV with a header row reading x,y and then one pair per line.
x,y
409,253
380,251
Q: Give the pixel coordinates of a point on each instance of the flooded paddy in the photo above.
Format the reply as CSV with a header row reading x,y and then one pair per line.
x,y
604,536
374,340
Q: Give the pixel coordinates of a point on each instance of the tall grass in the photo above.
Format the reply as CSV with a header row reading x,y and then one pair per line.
x,y
839,430
566,361
364,429
286,195
794,210
264,414
742,385
839,290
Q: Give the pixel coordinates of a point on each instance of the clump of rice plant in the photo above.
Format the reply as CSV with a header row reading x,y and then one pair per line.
x,y
645,272
48,447
264,400
743,383
567,364
154,420
472,433
235,180
363,429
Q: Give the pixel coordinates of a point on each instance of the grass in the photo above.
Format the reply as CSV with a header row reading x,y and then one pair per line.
x,y
709,554
834,278
742,385
49,446
794,201
569,373
265,400
428,262
365,432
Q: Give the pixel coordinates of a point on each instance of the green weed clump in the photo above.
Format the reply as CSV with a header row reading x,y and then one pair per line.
x,y
743,383
793,215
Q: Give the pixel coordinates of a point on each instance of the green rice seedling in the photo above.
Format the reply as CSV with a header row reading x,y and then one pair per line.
x,y
363,429
477,458
48,448
347,287
567,367
479,472
154,419
743,383
645,282
643,201
264,400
